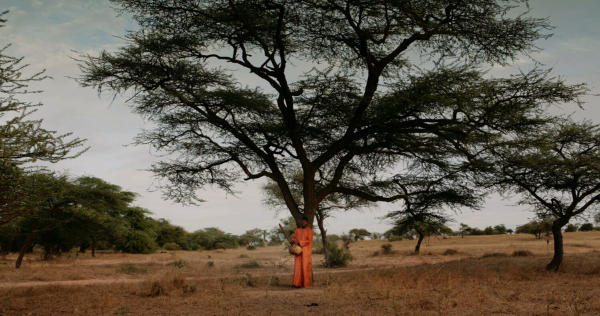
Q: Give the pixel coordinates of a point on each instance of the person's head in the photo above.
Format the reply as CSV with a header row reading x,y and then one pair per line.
x,y
304,222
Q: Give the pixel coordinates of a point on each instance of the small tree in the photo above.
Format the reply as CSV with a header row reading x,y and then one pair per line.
x,y
359,233
423,224
571,228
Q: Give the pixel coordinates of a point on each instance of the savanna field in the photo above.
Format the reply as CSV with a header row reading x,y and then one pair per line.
x,y
474,275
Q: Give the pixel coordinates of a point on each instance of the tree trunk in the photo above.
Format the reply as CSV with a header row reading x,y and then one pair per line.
x,y
558,244
421,237
326,251
26,245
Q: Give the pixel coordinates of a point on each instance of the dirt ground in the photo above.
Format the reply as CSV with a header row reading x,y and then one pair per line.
x,y
475,275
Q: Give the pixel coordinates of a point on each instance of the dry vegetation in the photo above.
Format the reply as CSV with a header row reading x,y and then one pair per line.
x,y
475,275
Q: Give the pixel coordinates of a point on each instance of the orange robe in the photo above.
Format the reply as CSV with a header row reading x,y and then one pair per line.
x,y
303,263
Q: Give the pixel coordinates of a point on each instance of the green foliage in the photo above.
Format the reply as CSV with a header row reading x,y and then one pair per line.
x,y
348,135
249,280
180,264
571,228
250,264
212,238
536,227
131,269
587,227
137,241
340,257
386,249
277,237
21,138
168,233
359,234
171,246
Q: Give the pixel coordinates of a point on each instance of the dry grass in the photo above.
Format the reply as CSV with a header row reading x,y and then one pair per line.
x,y
455,276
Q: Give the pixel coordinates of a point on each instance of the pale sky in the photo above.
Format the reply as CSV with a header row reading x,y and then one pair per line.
x,y
46,32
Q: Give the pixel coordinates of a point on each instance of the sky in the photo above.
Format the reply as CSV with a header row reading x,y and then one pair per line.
x,y
50,33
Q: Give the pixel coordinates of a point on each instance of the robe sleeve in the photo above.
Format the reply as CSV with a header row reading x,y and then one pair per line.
x,y
308,238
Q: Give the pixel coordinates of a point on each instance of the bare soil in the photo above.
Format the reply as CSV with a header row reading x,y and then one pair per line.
x,y
475,275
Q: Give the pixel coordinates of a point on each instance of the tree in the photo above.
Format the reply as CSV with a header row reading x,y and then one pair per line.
x,y
500,229
423,224
464,229
359,233
427,196
213,238
571,228
556,170
539,227
168,233
22,139
340,124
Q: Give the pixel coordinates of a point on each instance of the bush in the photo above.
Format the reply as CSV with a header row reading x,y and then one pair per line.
x,y
587,227
136,241
386,249
171,246
494,255
522,253
394,238
340,257
250,264
251,247
450,252
318,249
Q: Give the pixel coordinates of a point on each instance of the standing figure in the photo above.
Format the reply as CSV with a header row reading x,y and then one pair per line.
x,y
303,264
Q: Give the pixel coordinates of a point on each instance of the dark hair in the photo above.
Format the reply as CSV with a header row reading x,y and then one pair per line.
x,y
305,218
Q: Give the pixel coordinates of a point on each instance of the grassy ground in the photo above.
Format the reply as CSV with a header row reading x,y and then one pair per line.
x,y
475,275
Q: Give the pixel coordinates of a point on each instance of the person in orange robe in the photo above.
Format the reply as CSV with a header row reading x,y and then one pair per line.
x,y
303,264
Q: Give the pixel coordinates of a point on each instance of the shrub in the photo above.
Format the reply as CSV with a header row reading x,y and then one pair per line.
x,y
250,264
340,257
450,252
522,253
318,249
171,246
494,255
587,227
210,264
394,238
180,264
386,249
249,280
130,269
251,247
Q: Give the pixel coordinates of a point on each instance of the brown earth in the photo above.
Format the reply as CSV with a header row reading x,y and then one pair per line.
x,y
475,275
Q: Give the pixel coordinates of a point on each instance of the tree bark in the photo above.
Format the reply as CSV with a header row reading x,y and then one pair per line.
x,y
326,251
558,244
418,246
26,245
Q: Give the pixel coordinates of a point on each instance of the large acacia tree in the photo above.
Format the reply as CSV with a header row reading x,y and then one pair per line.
x,y
336,89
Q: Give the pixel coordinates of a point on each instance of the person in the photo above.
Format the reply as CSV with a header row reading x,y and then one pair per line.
x,y
303,237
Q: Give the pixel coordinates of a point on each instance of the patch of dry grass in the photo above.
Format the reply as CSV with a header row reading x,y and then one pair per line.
x,y
451,277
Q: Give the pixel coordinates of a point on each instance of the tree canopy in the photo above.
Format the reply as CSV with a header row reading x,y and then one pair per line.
x,y
554,169
23,139
340,92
